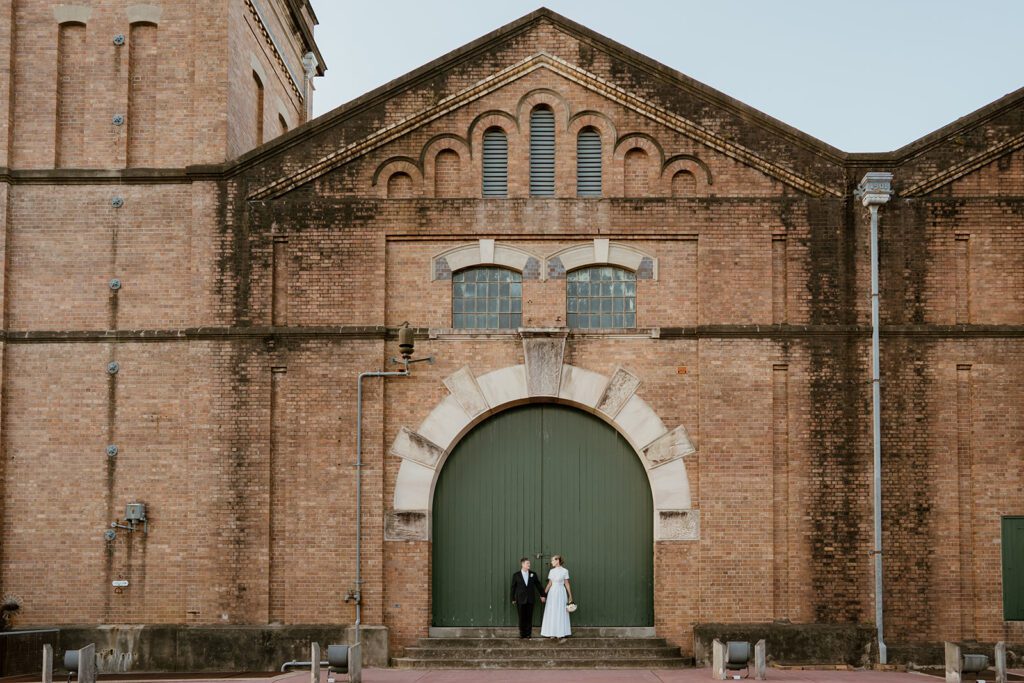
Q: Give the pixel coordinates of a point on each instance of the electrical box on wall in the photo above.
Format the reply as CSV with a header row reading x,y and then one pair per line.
x,y
135,512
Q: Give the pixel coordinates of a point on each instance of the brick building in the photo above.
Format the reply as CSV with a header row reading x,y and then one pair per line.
x,y
594,248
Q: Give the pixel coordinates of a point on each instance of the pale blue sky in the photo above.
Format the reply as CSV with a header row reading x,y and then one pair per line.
x,y
865,76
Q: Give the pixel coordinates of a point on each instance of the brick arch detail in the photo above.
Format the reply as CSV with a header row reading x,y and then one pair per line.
x,y
395,165
693,165
543,378
475,137
606,129
430,152
644,142
540,96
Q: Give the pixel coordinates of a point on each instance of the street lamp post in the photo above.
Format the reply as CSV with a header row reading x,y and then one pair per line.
x,y
875,190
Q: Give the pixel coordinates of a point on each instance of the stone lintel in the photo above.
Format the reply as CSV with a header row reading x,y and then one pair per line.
x,y
76,14
148,14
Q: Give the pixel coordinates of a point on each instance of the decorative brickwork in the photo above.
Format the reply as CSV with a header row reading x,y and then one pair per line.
x,y
255,286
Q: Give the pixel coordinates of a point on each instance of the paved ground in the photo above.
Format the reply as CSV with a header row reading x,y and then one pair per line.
x,y
580,676
535,676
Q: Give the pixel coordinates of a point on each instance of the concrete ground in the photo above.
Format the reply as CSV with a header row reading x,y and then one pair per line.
x,y
558,676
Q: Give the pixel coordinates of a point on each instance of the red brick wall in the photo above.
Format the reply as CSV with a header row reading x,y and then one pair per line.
x,y
240,438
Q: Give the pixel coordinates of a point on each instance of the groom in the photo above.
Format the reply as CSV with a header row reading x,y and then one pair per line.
x,y
524,582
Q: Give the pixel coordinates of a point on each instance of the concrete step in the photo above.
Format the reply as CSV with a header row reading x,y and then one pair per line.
x,y
538,663
538,642
594,652
542,653
513,632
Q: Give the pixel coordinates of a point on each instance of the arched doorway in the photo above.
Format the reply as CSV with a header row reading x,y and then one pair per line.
x,y
538,480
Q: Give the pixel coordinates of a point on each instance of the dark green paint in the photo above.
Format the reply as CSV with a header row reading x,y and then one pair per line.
x,y
1013,568
543,479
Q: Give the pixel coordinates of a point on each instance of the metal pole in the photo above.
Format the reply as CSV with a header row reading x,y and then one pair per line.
x,y
359,487
875,190
876,433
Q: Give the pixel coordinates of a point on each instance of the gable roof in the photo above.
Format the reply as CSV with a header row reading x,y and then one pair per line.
x,y
807,145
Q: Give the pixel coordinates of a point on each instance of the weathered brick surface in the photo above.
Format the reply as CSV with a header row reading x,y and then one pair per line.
x,y
240,436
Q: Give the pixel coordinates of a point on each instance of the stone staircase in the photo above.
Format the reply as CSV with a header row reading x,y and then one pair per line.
x,y
588,648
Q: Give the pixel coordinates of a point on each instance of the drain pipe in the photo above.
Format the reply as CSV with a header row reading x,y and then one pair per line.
x,y
405,347
875,190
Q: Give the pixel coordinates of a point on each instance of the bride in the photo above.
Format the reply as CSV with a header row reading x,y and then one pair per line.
x,y
559,594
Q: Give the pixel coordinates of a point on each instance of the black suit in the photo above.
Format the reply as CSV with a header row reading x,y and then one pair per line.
x,y
524,599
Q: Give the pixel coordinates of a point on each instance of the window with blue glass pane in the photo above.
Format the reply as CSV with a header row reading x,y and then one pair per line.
x,y
487,299
602,297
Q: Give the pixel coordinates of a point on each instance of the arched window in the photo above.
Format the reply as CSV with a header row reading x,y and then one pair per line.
x,y
588,163
601,297
487,298
495,163
542,152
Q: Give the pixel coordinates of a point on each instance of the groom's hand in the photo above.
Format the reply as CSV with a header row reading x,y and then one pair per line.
x,y
543,599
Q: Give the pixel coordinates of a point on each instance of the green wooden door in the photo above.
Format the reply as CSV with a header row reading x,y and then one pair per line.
x,y
541,480
1013,568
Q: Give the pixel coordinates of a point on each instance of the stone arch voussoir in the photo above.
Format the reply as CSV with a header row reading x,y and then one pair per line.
x,y
542,378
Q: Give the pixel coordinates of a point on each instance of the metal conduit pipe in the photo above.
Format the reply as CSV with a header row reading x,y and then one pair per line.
x,y
405,347
875,190
359,488
301,665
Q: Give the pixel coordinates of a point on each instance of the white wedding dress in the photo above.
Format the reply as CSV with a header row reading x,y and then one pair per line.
x,y
556,619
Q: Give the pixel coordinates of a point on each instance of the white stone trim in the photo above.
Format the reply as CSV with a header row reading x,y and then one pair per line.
x,y
463,386
78,14
143,14
603,252
257,67
484,252
473,399
671,446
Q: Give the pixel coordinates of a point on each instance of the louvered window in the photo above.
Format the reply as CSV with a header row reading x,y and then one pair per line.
x,y
495,163
588,163
542,153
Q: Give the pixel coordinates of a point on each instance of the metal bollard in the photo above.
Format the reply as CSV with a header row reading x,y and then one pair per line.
x,y
47,663
760,660
314,660
717,660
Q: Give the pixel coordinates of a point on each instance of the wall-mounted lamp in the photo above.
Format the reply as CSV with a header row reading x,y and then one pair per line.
x,y
134,515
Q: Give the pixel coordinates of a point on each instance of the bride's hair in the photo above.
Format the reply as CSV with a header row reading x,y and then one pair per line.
x,y
561,560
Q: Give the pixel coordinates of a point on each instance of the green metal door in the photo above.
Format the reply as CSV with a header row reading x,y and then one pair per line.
x,y
541,480
1013,568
